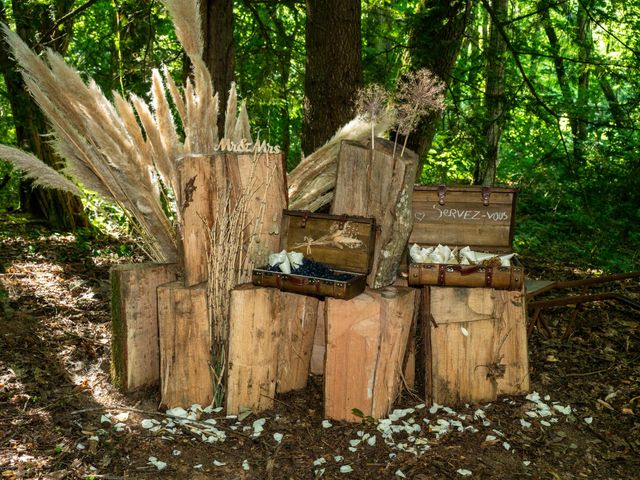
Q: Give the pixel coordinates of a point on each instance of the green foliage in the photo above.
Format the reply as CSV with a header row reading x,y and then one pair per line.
x,y
570,148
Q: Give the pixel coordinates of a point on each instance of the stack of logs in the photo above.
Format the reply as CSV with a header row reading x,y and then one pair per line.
x,y
366,347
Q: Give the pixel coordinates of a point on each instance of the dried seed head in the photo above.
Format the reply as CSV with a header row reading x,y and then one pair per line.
x,y
418,94
372,101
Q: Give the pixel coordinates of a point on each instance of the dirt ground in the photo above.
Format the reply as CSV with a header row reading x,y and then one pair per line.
x,y
60,417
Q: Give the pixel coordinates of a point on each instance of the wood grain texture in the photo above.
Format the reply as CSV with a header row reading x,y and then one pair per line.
x,y
299,315
366,342
254,332
478,346
185,345
463,219
377,185
203,179
319,342
135,356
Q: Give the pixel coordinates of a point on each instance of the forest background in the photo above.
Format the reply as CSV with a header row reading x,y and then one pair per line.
x,y
540,95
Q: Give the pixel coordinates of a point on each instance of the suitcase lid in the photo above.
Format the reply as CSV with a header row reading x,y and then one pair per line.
x,y
342,242
481,217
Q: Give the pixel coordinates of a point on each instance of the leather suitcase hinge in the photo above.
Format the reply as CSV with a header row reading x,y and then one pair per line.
x,y
442,192
486,193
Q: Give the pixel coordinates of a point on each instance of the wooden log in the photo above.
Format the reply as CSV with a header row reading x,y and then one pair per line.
x,y
135,357
185,345
254,331
319,343
299,315
477,346
366,342
375,184
204,179
270,342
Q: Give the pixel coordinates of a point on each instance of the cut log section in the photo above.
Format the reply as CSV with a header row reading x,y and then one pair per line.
x,y
366,343
319,343
375,184
203,179
185,345
270,342
135,358
476,344
299,315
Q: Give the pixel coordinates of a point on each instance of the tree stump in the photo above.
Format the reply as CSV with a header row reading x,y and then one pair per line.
x,y
185,345
319,343
366,341
476,344
204,182
299,315
377,184
135,357
270,341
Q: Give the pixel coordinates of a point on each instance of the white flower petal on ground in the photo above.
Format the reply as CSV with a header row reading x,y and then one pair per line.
x,y
400,473
277,437
464,331
319,461
176,453
105,419
326,424
588,420
216,463
80,446
371,440
119,427
258,426
526,463
177,412
506,445
159,464
338,458
464,472
490,438
122,417
545,423
564,410
524,423
346,469
148,423
355,442
245,465
198,466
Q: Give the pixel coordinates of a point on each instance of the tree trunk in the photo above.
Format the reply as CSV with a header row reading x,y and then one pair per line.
x,y
333,68
217,27
435,43
494,96
37,25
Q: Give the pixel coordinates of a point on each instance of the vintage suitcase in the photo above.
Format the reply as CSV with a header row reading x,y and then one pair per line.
x,y
480,217
343,243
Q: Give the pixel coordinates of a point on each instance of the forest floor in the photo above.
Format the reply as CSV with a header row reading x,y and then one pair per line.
x,y
61,418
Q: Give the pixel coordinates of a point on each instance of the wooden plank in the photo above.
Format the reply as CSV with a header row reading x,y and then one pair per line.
x,y
319,342
301,228
478,344
377,185
366,341
298,317
185,345
135,357
204,179
254,331
463,219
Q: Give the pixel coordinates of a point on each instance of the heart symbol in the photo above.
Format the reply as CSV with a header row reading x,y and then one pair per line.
x,y
419,216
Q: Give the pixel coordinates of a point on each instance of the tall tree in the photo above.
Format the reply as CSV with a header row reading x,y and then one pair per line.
x,y
494,96
333,71
435,41
219,52
40,24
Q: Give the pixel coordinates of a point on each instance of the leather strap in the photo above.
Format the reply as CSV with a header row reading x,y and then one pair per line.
x,y
488,277
442,273
486,193
442,191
